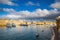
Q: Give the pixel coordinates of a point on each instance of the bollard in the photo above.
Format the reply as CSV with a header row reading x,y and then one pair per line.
x,y
58,23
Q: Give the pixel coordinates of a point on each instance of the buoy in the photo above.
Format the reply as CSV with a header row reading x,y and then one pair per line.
x,y
42,30
37,35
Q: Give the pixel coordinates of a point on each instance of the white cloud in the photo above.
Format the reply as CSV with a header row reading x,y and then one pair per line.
x,y
8,2
42,13
12,16
55,5
28,14
32,4
9,10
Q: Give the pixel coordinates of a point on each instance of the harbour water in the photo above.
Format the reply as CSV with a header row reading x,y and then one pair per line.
x,y
26,32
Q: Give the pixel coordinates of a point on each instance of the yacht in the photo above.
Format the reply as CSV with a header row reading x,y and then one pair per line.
x,y
13,25
8,25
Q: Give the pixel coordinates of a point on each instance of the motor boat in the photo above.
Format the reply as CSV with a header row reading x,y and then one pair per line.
x,y
8,25
23,25
13,25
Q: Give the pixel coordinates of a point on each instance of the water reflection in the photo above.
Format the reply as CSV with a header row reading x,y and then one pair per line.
x,y
26,33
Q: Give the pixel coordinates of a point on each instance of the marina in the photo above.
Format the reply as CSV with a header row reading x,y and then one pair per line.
x,y
29,19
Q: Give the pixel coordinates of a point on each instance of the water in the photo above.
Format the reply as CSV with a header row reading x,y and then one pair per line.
x,y
26,33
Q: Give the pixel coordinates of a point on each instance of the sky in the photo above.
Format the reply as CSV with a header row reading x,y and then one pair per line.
x,y
29,9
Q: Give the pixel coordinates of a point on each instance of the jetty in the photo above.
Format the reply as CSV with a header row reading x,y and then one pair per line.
x,y
56,29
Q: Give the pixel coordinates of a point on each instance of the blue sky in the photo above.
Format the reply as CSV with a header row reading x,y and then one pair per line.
x,y
29,8
21,4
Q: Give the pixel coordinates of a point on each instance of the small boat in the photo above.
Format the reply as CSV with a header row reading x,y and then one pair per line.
x,y
37,24
8,25
13,25
23,25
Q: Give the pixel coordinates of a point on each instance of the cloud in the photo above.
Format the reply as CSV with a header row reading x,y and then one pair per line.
x,y
12,16
9,10
8,2
55,5
38,13
32,4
